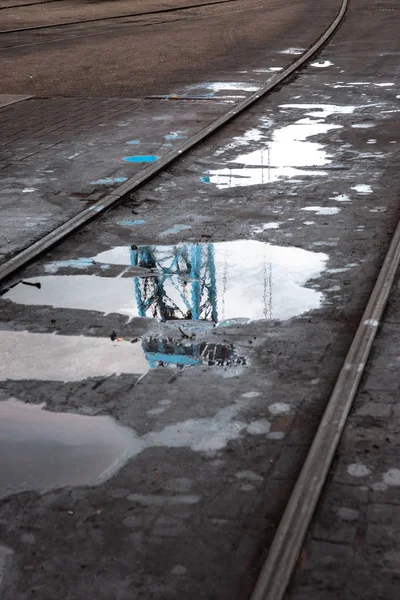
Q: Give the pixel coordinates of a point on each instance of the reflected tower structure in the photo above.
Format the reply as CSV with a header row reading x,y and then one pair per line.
x,y
183,285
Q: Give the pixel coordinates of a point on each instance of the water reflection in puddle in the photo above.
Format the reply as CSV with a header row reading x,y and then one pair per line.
x,y
288,154
209,282
49,357
47,450
169,352
67,357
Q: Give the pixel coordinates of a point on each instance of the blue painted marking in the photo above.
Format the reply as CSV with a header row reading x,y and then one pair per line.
x,y
109,181
205,179
141,159
133,142
174,136
129,223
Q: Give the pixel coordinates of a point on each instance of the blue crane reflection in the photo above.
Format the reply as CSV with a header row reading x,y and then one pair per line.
x,y
186,271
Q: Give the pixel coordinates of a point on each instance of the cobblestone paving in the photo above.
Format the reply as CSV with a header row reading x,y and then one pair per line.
x,y
58,155
352,550
194,520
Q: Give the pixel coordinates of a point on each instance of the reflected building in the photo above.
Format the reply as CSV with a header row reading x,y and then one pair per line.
x,y
226,281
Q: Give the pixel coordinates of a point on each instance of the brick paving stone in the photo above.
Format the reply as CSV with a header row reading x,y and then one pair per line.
x,y
361,502
55,149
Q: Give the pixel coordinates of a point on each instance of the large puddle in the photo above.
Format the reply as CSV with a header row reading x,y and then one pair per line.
x,y
47,450
288,153
244,279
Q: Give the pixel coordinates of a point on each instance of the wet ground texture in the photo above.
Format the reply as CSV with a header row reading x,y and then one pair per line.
x,y
186,344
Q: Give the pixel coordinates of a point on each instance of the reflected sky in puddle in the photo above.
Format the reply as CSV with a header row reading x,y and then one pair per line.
x,y
288,154
50,357
47,450
66,357
209,282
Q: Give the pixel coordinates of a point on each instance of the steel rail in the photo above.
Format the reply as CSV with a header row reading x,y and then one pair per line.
x,y
114,17
286,546
137,23
114,198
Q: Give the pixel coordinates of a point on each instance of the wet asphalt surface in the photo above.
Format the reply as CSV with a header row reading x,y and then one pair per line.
x,y
252,259
148,55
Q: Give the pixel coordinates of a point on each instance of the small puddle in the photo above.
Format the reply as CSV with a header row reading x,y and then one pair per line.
x,y
47,450
288,154
222,86
244,279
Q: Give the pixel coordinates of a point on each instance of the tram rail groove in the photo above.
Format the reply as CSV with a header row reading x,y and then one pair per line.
x,y
113,17
116,197
288,541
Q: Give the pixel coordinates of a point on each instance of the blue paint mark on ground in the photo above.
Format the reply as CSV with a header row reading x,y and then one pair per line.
x,y
109,181
175,229
133,142
141,159
129,223
205,179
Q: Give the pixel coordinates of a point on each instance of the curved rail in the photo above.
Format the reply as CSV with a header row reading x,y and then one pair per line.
x,y
116,197
285,549
124,16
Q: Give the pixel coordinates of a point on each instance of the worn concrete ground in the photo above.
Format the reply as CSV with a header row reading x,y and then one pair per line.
x,y
299,196
352,550
152,54
60,154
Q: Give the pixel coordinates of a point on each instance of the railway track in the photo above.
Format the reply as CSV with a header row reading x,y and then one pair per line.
x,y
172,9
116,197
289,537
135,20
